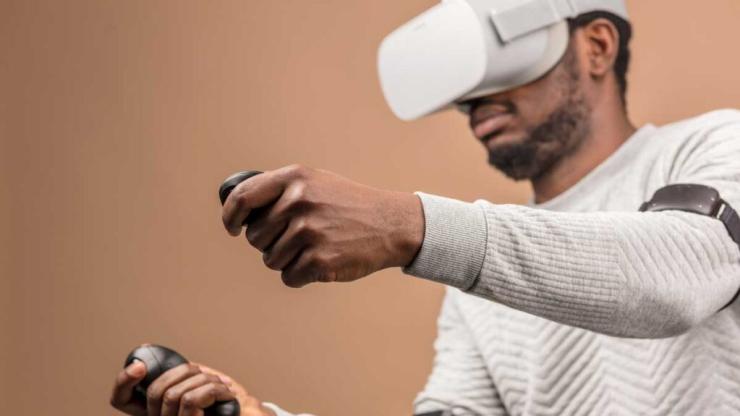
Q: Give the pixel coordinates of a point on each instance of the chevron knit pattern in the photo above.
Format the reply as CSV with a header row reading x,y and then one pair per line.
x,y
584,306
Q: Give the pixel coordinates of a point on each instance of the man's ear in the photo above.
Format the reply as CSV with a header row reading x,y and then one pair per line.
x,y
600,40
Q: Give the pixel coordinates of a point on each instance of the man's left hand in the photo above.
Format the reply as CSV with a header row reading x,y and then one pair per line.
x,y
316,226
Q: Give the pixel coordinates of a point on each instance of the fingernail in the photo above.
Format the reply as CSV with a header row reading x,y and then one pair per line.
x,y
136,369
226,379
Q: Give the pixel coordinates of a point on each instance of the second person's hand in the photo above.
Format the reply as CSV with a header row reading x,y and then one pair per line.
x,y
182,391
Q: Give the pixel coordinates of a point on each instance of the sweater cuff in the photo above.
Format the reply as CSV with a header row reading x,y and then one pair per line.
x,y
454,245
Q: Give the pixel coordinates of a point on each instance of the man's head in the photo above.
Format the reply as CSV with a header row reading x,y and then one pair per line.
x,y
529,129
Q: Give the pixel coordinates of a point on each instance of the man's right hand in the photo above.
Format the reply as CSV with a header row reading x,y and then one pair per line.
x,y
182,391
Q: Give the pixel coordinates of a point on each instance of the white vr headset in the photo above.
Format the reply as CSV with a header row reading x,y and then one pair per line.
x,y
464,49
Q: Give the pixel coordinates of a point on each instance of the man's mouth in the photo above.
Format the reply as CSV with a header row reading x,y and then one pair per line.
x,y
489,127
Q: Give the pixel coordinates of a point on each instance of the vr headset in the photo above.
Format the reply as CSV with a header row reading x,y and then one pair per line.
x,y
464,49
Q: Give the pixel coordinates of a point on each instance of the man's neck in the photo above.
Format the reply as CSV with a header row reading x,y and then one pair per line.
x,y
610,129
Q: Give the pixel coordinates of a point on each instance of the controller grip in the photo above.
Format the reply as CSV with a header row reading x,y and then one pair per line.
x,y
158,360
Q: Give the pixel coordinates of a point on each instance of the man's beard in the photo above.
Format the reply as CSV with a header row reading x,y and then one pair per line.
x,y
544,145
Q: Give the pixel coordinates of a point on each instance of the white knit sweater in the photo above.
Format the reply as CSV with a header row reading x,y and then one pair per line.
x,y
584,306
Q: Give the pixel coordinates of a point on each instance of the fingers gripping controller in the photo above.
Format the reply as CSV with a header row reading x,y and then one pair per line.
x,y
160,359
232,181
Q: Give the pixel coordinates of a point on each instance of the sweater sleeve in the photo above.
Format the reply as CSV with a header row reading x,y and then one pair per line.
x,y
460,380
629,274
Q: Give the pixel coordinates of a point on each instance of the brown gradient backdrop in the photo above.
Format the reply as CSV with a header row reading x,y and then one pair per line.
x,y
120,118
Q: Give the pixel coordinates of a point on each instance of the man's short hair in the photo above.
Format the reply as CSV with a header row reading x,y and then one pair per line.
x,y
624,28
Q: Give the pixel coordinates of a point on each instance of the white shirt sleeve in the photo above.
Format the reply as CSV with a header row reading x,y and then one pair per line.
x,y
628,274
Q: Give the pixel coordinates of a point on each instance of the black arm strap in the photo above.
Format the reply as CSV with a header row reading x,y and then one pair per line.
x,y
731,220
697,199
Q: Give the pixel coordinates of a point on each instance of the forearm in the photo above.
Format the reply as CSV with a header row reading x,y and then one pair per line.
x,y
642,275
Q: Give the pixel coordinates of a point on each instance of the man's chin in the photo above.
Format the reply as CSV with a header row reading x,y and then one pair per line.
x,y
514,156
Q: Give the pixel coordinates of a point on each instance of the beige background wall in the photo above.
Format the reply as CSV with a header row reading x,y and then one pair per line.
x,y
118,120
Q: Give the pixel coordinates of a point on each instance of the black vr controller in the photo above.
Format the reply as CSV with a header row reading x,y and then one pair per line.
x,y
160,359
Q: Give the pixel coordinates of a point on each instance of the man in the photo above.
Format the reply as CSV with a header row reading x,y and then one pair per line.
x,y
575,304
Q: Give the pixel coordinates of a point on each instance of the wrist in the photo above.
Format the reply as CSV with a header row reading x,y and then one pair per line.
x,y
455,242
407,229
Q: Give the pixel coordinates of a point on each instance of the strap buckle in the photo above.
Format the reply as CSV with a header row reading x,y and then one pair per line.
x,y
523,17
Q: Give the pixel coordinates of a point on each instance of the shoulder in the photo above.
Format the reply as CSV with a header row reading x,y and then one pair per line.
x,y
703,124
710,136
704,147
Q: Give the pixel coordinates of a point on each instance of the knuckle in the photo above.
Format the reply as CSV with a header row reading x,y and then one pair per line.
x,y
240,196
241,201
305,231
301,225
252,235
327,276
298,200
322,268
297,170
153,395
213,390
289,279
189,400
171,398
320,263
269,260
193,369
